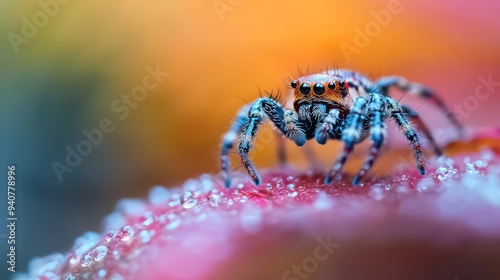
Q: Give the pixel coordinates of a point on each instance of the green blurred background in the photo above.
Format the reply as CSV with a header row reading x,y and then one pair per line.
x,y
84,55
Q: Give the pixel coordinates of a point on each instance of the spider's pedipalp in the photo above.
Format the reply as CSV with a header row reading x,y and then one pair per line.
x,y
350,136
420,90
396,112
327,127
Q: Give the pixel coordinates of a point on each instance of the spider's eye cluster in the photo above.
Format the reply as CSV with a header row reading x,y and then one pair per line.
x,y
293,84
305,88
319,88
331,85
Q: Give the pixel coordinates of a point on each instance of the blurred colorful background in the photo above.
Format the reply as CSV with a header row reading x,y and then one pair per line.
x,y
66,65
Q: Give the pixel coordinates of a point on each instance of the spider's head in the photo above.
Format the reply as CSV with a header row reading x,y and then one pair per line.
x,y
321,88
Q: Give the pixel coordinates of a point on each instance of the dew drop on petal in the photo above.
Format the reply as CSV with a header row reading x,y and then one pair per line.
x,y
322,201
292,194
125,234
213,199
188,200
145,236
174,222
158,195
85,242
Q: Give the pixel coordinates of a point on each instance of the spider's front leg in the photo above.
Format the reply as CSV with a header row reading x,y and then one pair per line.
x,y
285,120
351,135
378,131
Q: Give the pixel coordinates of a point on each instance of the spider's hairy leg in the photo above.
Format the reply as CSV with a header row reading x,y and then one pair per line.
x,y
420,90
327,126
378,129
285,121
350,136
420,126
396,112
228,142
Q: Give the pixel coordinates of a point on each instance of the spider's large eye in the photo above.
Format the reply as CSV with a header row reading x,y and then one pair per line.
x,y
293,84
331,85
305,88
319,88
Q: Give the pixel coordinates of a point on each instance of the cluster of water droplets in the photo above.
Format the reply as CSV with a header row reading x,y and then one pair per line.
x,y
136,223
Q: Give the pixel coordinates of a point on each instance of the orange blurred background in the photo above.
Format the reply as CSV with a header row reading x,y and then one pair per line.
x,y
217,55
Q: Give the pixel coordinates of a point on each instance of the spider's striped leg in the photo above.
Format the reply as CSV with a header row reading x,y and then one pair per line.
x,y
228,142
420,126
378,129
417,89
286,121
396,112
351,135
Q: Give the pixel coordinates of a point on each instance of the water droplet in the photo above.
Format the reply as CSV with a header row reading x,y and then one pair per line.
x,y
158,195
100,253
131,206
244,199
213,199
322,201
239,186
113,221
376,192
174,222
425,184
145,236
102,273
87,260
293,194
289,178
70,277
188,200
472,168
388,187
85,242
49,263
269,186
291,187
147,219
230,202
190,185
404,177
125,234
207,183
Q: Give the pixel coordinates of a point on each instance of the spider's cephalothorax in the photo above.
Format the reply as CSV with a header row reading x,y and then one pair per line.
x,y
338,104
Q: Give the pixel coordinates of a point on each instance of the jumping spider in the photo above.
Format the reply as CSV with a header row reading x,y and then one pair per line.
x,y
336,104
